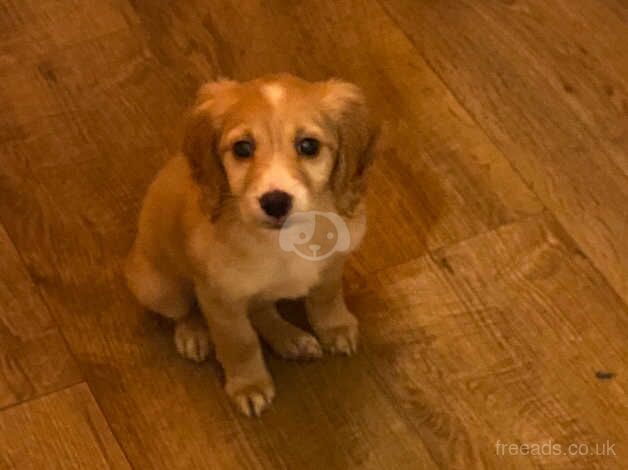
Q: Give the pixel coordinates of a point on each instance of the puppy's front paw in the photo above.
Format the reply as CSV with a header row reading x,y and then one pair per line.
x,y
340,339
191,337
251,398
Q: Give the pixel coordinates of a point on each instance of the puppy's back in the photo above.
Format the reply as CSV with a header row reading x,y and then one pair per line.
x,y
162,229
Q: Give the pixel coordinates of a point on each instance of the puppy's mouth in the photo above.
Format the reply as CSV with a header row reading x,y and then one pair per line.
x,y
275,224
272,226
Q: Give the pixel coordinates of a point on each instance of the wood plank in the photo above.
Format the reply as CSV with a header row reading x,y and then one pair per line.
x,y
34,358
65,430
548,84
31,29
499,338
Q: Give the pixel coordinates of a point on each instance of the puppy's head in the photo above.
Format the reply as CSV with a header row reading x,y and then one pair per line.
x,y
277,145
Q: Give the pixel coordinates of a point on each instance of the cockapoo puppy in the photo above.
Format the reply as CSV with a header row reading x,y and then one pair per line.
x,y
264,202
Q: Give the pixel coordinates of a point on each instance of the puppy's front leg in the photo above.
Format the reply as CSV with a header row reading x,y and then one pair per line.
x,y
335,326
247,380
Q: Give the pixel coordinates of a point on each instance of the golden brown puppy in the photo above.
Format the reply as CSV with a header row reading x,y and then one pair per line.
x,y
266,167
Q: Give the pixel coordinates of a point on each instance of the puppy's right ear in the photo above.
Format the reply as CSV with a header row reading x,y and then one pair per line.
x,y
200,141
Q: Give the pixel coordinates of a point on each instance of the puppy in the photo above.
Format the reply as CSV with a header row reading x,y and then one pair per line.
x,y
224,222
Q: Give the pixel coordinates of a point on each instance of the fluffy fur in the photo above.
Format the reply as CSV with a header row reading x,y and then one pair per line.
x,y
203,236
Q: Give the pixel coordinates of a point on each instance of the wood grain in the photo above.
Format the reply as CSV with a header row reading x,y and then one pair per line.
x,y
65,430
498,339
34,358
547,82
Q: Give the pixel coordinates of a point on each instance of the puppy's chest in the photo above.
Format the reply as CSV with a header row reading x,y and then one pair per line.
x,y
287,276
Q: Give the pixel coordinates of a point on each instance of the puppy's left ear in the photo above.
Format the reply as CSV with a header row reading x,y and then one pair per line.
x,y
357,133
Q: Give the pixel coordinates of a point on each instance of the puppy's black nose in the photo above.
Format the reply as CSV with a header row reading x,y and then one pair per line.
x,y
276,203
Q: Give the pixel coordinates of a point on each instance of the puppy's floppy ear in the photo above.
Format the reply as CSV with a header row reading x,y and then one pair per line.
x,y
200,140
346,106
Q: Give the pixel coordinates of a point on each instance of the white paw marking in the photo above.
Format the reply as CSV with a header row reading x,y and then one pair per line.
x,y
253,399
340,339
192,341
303,346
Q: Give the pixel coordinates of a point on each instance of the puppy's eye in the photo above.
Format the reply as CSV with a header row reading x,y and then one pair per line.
x,y
308,147
243,148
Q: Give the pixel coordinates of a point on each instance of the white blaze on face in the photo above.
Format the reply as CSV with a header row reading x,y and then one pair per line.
x,y
278,177
274,93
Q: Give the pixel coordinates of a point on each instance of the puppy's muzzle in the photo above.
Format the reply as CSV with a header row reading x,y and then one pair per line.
x,y
276,204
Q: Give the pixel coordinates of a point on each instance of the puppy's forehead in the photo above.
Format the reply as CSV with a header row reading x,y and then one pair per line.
x,y
286,90
274,92
278,97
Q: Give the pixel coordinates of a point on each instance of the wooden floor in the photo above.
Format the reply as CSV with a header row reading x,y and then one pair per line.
x,y
492,287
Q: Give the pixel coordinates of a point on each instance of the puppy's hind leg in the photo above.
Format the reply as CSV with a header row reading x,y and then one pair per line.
x,y
287,340
167,295
171,298
191,337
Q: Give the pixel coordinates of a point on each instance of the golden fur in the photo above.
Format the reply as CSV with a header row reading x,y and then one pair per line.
x,y
203,237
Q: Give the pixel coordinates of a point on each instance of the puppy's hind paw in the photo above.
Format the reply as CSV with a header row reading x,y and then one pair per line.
x,y
191,338
299,346
340,339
